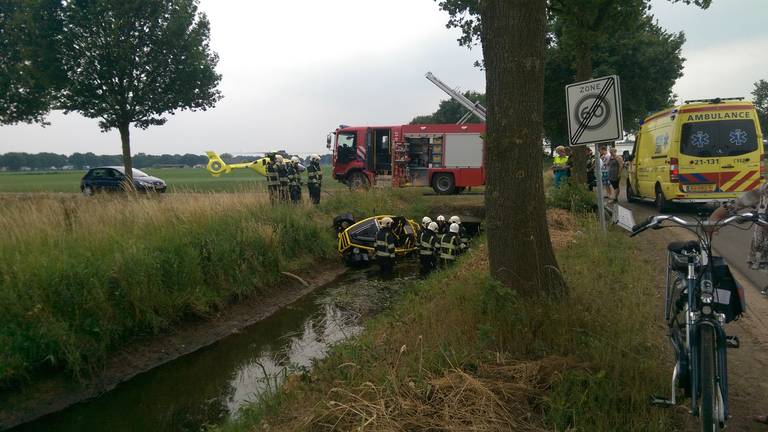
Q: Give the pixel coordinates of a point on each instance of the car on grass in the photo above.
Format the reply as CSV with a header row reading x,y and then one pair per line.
x,y
112,179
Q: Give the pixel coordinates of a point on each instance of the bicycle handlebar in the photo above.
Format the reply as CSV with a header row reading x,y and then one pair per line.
x,y
656,221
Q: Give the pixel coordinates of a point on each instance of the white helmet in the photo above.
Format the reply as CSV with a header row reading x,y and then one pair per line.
x,y
454,228
455,220
441,218
278,159
425,221
432,226
295,159
314,157
386,222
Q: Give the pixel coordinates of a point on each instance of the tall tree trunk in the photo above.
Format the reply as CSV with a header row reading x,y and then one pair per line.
x,y
583,65
125,138
519,247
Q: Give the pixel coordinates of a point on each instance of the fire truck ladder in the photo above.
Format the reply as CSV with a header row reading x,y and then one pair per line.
x,y
475,108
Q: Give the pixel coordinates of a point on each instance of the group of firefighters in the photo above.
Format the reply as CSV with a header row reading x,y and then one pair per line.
x,y
440,242
284,179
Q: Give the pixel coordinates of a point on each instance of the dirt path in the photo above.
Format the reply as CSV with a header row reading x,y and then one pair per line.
x,y
55,393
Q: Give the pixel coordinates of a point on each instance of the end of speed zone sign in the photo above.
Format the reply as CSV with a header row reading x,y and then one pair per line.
x,y
594,111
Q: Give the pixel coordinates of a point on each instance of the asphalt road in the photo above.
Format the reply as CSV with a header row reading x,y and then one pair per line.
x,y
732,243
747,366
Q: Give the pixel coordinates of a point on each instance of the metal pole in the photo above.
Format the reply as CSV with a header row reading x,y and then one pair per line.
x,y
599,188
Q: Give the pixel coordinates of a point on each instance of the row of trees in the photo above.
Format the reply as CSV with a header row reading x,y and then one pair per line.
x,y
43,161
123,62
524,41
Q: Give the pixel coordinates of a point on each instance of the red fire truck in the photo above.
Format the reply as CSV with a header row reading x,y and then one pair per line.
x,y
446,157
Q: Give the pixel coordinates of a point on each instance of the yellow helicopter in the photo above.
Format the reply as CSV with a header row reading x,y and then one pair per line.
x,y
217,166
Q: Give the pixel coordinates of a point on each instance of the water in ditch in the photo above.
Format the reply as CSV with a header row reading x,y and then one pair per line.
x,y
208,386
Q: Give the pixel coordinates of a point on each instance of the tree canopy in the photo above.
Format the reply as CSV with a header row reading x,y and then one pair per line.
x,y
451,111
760,94
29,71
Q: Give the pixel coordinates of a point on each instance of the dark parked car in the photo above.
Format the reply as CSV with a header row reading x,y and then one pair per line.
x,y
111,178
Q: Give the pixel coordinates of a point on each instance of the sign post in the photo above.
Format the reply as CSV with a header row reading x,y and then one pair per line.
x,y
594,117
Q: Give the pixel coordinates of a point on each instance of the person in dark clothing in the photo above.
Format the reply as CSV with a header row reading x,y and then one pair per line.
x,y
314,179
385,245
591,182
450,246
463,236
429,246
442,227
273,182
294,180
282,176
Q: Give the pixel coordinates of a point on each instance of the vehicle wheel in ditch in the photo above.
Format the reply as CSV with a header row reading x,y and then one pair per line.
x,y
358,181
443,184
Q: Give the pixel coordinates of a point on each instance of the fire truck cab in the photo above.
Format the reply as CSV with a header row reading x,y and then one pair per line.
x,y
446,157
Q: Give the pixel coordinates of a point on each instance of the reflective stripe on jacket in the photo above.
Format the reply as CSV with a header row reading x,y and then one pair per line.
x,y
427,243
314,173
449,246
385,243
272,177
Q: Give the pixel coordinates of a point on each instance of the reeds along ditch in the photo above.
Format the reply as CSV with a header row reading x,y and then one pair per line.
x,y
81,276
462,352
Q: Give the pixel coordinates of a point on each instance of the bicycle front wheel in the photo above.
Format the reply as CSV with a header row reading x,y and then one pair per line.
x,y
709,417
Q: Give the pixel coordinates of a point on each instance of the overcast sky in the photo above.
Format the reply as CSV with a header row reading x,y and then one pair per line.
x,y
293,71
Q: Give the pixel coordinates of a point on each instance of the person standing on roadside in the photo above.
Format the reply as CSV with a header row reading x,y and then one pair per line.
x,y
314,179
560,166
603,159
273,182
428,247
615,166
591,183
385,245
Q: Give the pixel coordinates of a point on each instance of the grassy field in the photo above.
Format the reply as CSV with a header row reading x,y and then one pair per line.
x,y
178,180
81,276
461,352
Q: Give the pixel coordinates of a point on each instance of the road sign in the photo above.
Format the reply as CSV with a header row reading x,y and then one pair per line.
x,y
594,111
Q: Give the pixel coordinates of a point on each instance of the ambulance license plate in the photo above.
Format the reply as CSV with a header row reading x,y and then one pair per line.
x,y
701,188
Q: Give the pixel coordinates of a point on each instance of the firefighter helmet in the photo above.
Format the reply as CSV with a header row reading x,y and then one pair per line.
x,y
455,220
441,218
432,226
386,222
314,157
295,159
425,221
454,228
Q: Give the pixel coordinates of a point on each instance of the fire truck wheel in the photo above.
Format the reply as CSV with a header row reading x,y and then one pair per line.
x,y
443,184
357,181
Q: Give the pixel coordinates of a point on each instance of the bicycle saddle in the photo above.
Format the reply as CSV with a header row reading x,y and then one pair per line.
x,y
680,246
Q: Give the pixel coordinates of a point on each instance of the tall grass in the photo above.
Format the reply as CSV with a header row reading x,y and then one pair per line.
x,y
80,277
461,352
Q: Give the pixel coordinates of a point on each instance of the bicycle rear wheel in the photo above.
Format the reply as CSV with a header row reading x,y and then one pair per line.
x,y
709,418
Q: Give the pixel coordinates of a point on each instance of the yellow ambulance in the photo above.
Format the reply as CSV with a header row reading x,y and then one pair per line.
x,y
704,151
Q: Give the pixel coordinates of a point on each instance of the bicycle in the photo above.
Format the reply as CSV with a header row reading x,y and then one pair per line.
x,y
700,297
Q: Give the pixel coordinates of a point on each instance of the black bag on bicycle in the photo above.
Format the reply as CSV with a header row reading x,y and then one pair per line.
x,y
729,295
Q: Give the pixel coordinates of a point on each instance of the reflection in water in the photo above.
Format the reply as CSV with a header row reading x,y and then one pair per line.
x,y
211,384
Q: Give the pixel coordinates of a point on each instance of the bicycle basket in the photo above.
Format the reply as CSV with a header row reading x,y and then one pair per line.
x,y
729,295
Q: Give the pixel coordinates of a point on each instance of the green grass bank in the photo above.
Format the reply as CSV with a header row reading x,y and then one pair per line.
x,y
178,180
81,277
461,352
